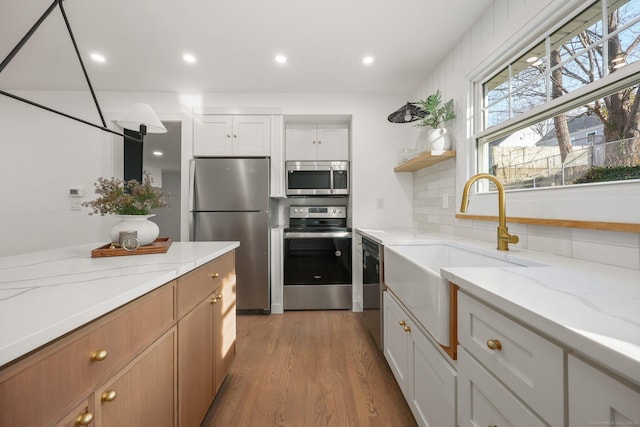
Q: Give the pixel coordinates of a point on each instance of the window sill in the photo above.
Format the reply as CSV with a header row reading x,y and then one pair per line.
x,y
590,225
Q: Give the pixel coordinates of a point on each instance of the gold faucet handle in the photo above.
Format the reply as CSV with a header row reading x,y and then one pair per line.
x,y
504,238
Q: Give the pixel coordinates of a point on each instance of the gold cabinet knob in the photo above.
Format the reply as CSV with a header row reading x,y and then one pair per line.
x,y
407,328
319,142
83,419
99,355
235,136
402,323
228,135
213,300
215,275
494,345
108,396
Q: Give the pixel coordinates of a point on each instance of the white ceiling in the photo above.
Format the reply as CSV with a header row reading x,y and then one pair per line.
x,y
235,42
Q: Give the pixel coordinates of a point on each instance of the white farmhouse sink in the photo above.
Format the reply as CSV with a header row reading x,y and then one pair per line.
x,y
413,274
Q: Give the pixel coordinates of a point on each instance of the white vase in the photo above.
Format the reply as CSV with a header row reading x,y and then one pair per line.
x,y
148,231
435,139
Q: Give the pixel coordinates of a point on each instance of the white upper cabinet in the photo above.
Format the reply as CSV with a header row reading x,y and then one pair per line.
x,y
232,135
317,142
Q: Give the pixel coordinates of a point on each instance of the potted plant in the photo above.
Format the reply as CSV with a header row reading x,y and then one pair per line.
x,y
436,113
132,202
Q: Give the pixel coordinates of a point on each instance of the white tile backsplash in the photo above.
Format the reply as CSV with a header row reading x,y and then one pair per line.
x,y
550,245
620,256
607,237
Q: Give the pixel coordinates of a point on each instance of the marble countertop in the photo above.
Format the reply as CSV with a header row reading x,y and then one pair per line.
x,y
588,308
44,295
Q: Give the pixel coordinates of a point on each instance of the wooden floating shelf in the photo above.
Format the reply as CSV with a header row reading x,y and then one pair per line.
x,y
428,158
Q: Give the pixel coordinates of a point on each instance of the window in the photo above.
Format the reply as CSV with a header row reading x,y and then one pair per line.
x,y
567,111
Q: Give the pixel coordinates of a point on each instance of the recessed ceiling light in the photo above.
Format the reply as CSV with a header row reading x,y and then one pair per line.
x,y
158,153
97,57
367,60
189,58
281,59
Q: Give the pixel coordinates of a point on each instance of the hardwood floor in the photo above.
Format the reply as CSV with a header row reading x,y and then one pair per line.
x,y
308,368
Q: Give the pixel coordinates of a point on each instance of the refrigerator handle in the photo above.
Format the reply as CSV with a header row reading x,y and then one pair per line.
x,y
192,182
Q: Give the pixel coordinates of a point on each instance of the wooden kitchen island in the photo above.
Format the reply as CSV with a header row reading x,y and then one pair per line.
x,y
131,340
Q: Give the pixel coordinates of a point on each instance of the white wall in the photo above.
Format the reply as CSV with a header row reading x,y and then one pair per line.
x,y
42,155
505,23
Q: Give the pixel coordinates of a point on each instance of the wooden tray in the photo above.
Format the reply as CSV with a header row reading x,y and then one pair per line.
x,y
160,246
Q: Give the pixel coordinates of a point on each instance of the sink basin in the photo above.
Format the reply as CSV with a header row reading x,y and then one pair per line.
x,y
413,274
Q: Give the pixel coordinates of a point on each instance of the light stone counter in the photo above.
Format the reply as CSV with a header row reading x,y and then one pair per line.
x,y
44,295
588,308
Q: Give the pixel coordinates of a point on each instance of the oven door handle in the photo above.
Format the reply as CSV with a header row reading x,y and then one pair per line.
x,y
317,235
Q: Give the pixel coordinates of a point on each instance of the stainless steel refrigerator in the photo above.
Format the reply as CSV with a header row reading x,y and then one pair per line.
x,y
230,201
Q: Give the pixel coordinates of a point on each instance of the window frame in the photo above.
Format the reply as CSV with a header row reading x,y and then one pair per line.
x,y
575,202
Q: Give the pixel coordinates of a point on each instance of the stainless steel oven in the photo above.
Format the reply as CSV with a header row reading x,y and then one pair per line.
x,y
372,288
317,178
317,259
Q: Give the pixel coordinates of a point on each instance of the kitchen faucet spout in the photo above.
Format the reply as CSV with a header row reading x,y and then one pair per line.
x,y
504,238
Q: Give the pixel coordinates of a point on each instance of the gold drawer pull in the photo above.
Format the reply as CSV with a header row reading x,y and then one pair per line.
x,y
84,419
407,328
215,275
402,323
99,355
109,396
494,345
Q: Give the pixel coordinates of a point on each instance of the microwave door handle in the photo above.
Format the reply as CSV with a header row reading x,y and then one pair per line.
x,y
331,179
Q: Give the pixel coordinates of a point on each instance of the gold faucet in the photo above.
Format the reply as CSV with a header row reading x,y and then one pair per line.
x,y
504,238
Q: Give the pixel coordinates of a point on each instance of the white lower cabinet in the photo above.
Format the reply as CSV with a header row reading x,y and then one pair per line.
x,y
595,398
530,367
427,379
483,401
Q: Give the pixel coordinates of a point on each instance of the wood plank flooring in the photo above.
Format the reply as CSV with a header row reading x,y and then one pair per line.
x,y
308,368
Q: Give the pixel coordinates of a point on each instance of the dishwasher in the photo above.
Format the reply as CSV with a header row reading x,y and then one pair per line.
x,y
372,288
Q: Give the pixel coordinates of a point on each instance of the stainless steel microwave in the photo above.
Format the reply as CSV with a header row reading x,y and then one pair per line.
x,y
317,178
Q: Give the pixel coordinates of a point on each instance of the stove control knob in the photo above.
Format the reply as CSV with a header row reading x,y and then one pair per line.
x,y
334,210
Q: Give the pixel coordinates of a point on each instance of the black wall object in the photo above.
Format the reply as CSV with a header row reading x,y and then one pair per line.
x,y
400,115
132,155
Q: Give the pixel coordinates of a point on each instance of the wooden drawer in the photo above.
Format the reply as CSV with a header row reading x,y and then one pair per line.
x,y
529,365
82,415
483,401
595,398
198,284
42,387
